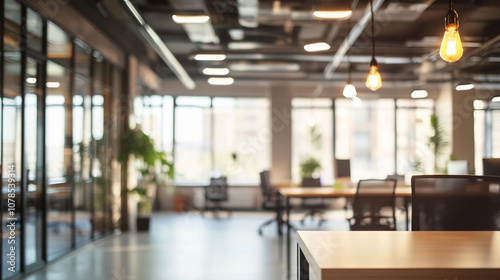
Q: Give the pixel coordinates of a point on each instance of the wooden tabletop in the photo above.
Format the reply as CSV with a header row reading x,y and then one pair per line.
x,y
402,191
402,254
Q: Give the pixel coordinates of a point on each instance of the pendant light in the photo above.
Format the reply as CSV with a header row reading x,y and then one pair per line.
x,y
451,47
373,81
349,89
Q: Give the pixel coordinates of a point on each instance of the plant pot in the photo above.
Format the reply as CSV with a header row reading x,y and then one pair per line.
x,y
311,182
142,223
179,203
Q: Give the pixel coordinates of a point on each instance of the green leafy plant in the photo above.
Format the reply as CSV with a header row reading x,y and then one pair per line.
x,y
437,142
154,166
309,167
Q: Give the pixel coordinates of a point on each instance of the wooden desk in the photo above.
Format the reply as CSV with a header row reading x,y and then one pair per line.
x,y
325,192
461,255
403,191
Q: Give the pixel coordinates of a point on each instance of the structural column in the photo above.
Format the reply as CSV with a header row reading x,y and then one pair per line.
x,y
463,126
281,134
456,112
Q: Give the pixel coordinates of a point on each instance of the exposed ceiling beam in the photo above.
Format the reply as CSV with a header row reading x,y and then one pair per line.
x,y
351,38
160,48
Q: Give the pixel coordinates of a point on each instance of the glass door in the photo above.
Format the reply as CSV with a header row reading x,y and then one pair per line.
x,y
11,142
33,167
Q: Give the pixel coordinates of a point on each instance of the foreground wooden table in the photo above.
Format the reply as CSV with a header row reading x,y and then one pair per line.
x,y
452,255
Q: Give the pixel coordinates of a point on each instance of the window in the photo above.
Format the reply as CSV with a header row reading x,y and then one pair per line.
x,y
413,132
312,136
193,144
241,138
155,115
213,137
365,135
486,132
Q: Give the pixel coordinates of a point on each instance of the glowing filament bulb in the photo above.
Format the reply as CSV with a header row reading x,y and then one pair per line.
x,y
451,47
374,81
349,90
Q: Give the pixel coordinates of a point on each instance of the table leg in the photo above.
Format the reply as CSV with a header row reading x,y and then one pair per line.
x,y
288,229
280,216
302,265
406,202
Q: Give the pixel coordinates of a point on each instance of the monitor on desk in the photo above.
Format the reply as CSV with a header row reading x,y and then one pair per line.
x,y
491,166
457,167
343,168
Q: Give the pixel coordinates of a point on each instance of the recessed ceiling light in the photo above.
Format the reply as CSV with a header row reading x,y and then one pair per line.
x,y
316,47
237,34
267,67
53,84
421,93
464,87
190,19
210,57
332,14
31,80
221,81
496,99
243,45
216,71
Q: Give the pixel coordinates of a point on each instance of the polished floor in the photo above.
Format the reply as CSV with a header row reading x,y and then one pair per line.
x,y
187,246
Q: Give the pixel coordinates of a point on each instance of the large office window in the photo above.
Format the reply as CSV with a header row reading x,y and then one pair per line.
x,y
413,132
213,136
486,132
241,138
312,136
193,143
365,135
155,116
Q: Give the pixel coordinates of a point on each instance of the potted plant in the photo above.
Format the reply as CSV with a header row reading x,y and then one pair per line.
x,y
309,170
310,167
153,166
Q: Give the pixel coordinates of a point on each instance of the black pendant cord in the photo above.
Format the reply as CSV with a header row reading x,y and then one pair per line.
x,y
347,56
373,30
451,5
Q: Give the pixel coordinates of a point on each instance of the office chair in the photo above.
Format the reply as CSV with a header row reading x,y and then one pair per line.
x,y
270,202
313,205
455,202
373,199
216,193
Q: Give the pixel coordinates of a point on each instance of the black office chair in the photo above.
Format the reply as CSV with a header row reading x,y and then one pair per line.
x,y
455,202
314,206
270,201
371,210
216,193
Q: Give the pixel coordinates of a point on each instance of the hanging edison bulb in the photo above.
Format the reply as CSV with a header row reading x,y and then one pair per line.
x,y
349,90
373,81
451,47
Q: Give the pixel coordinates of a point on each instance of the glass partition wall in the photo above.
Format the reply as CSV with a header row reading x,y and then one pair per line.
x,y
55,153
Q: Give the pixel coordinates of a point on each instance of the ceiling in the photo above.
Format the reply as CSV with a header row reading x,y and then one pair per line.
x,y
264,40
